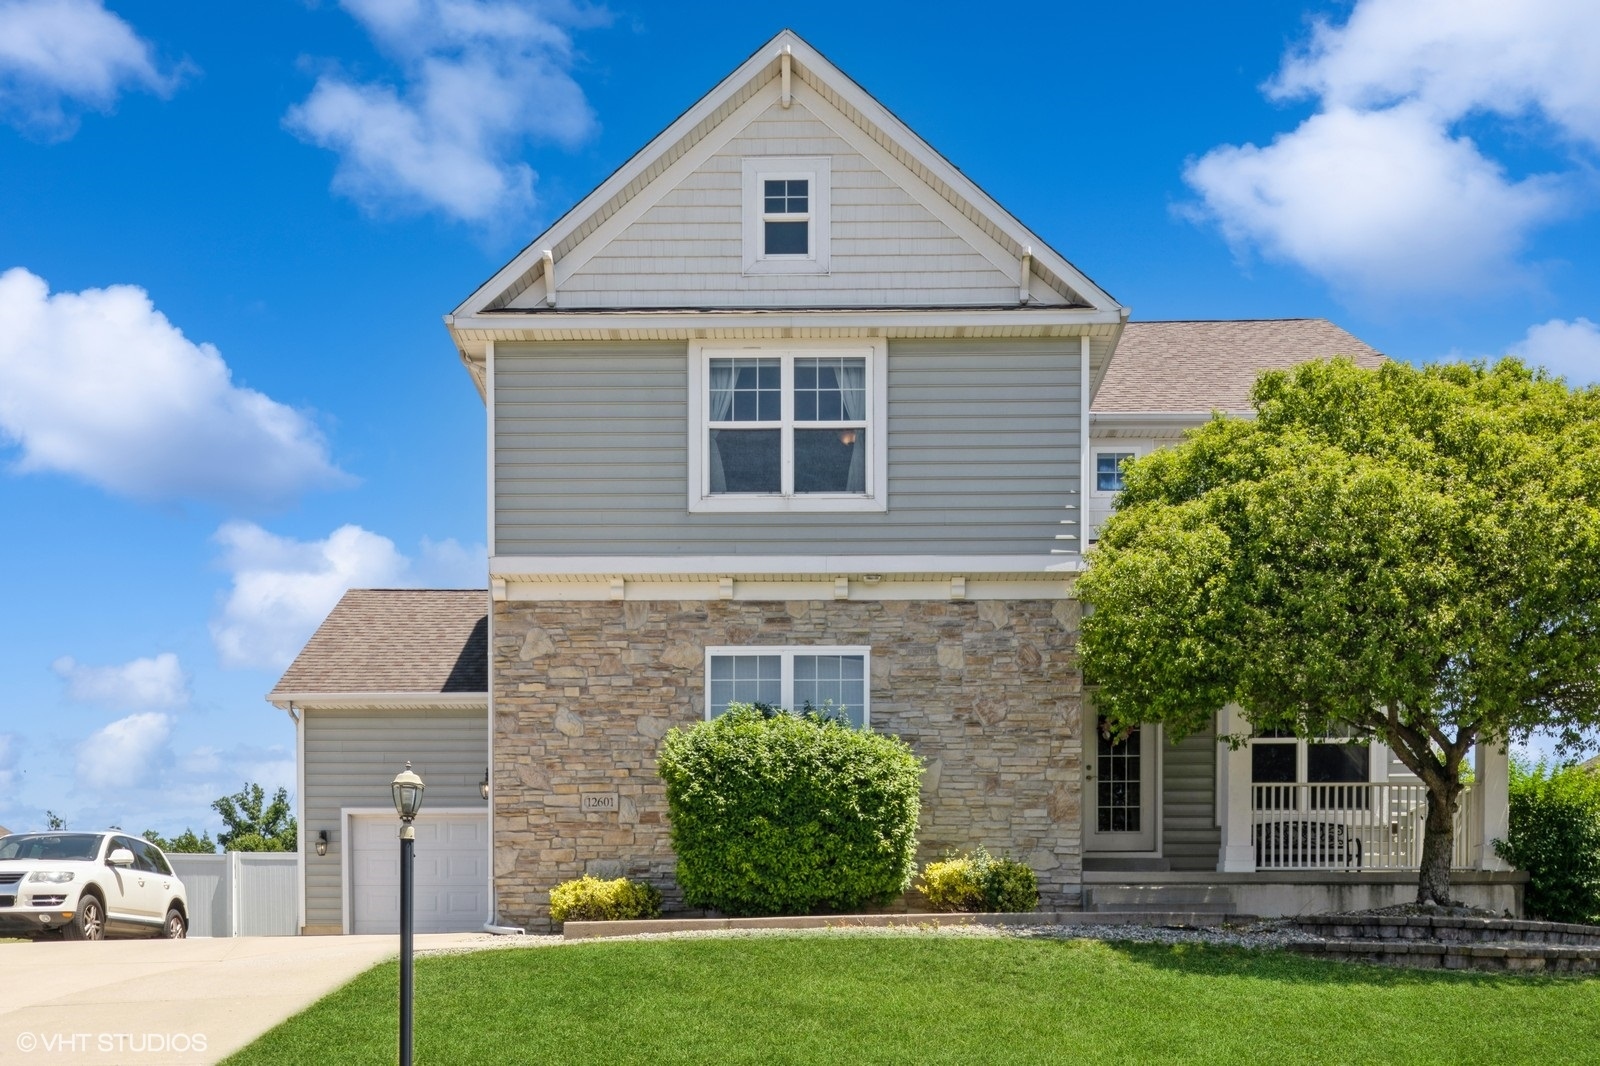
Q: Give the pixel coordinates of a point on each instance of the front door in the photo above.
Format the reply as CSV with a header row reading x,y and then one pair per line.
x,y
1119,791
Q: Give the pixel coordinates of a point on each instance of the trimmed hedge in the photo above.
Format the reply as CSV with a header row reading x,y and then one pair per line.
x,y
777,813
589,899
980,882
1554,834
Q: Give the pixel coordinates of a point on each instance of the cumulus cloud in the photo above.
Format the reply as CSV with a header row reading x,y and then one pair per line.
x,y
1380,192
58,57
158,681
126,753
1568,349
283,588
479,79
99,384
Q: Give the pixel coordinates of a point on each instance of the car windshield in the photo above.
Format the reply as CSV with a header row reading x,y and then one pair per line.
x,y
67,847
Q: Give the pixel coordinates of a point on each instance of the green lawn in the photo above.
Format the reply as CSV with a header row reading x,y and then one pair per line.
x,y
936,999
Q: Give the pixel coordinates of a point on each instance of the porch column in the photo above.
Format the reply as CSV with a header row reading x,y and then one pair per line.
x,y
1233,798
1491,815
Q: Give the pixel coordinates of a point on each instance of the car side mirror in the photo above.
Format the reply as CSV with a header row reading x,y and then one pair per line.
x,y
120,857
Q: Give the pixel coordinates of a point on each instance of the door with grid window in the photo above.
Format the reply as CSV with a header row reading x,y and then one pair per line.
x,y
1119,790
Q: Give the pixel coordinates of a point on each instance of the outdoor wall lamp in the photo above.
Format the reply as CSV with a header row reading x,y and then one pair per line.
x,y
322,843
407,789
483,786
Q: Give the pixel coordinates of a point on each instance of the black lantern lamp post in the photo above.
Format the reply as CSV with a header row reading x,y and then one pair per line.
x,y
407,789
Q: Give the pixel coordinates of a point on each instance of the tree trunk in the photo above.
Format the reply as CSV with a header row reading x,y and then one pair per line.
x,y
1438,844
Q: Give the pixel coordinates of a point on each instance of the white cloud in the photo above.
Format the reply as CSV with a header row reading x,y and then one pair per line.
x,y
153,682
283,588
58,56
125,754
101,385
1568,349
1380,192
480,78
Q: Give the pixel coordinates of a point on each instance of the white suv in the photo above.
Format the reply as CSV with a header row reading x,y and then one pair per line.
x,y
88,885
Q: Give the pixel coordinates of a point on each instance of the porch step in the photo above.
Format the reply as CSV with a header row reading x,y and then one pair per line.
x,y
1194,899
1429,955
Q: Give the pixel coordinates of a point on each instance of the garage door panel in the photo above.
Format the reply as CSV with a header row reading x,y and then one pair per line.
x,y
451,873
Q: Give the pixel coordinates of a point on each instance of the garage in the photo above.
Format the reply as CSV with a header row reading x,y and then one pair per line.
x,y
452,872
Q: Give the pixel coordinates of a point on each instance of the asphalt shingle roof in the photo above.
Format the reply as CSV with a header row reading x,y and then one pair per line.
x,y
1178,367
396,641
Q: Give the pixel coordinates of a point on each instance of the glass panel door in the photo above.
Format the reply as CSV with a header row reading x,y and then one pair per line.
x,y
1119,784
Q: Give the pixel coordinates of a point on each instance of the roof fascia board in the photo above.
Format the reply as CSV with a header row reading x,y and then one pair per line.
x,y
619,179
354,700
1120,418
925,154
513,567
700,320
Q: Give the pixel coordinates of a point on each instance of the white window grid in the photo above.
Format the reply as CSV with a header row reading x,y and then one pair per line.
x,y
787,423
815,171
786,655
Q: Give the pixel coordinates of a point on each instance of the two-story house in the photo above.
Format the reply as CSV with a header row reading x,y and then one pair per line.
x,y
788,409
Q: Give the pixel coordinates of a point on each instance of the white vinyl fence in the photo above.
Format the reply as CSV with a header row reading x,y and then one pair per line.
x,y
241,893
1357,826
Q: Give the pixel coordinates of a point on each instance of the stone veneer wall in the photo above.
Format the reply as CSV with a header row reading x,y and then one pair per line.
x,y
989,692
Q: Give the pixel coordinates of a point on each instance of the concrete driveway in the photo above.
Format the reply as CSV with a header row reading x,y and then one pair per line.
x,y
172,1001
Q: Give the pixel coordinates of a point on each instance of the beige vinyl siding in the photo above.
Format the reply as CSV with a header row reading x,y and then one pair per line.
x,y
686,250
350,759
1190,838
591,449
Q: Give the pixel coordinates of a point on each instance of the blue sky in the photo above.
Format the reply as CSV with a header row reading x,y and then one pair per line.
x,y
226,241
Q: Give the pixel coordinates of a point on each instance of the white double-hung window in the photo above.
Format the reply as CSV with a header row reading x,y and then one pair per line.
x,y
791,429
786,208
830,680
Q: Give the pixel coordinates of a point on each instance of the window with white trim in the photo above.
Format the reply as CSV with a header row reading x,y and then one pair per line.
x,y
827,679
794,429
1280,758
1108,470
786,209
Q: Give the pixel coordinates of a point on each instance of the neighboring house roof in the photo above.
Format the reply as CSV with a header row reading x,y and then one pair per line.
x,y
1200,367
395,641
4,831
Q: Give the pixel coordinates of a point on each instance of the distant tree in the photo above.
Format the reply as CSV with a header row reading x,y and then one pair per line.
x,y
1409,555
185,843
54,822
254,824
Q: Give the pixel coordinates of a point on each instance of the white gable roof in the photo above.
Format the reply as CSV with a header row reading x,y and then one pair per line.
x,y
901,209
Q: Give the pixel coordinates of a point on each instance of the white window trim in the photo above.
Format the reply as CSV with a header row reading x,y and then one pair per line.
x,y
1138,451
876,498
816,170
787,652
1377,758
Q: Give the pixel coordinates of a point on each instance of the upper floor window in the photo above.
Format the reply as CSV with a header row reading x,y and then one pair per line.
x,y
787,430
786,215
1108,470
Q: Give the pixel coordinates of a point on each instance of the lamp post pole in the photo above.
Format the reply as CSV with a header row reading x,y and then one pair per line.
x,y
407,790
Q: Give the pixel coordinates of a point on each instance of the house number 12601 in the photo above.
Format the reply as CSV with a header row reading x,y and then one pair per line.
x,y
600,802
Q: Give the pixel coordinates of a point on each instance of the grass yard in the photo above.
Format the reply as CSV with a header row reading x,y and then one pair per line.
x,y
862,999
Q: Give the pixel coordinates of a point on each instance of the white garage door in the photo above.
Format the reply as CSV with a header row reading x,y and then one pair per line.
x,y
452,873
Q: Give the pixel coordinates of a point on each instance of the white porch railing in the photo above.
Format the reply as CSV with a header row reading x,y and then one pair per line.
x,y
1306,826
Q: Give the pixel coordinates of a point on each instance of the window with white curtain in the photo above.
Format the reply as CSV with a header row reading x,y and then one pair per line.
x,y
788,430
828,679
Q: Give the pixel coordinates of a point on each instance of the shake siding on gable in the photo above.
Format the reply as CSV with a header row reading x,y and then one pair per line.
x,y
887,250
591,446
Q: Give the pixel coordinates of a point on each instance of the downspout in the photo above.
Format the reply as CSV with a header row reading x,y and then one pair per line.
x,y
299,810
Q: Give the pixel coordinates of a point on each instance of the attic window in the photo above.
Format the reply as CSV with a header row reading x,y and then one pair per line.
x,y
786,215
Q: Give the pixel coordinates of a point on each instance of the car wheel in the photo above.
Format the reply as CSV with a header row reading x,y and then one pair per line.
x,y
89,923
174,928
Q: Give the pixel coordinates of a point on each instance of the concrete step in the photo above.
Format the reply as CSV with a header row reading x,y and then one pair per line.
x,y
1210,899
1120,864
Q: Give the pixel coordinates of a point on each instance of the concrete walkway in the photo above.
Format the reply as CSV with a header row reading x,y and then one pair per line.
x,y
173,1001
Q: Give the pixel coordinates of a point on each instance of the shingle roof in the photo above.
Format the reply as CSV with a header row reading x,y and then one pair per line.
x,y
1201,367
396,641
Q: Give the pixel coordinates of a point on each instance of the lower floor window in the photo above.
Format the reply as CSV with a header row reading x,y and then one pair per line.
x,y
1280,762
827,679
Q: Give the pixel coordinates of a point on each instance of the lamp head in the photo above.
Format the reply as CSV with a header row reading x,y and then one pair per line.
x,y
407,790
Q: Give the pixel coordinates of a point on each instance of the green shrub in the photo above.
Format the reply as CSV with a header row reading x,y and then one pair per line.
x,y
776,813
1554,834
980,882
589,899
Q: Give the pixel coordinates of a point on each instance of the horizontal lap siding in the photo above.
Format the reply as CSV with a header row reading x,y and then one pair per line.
x,y
1190,839
687,250
591,445
351,758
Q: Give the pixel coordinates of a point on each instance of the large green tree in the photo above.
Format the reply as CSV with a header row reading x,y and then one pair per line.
x,y
252,823
1412,555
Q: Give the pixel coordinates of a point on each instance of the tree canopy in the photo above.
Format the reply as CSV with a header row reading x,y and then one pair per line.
x,y
1410,554
251,823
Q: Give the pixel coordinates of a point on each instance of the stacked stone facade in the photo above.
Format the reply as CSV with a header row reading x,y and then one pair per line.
x,y
988,692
